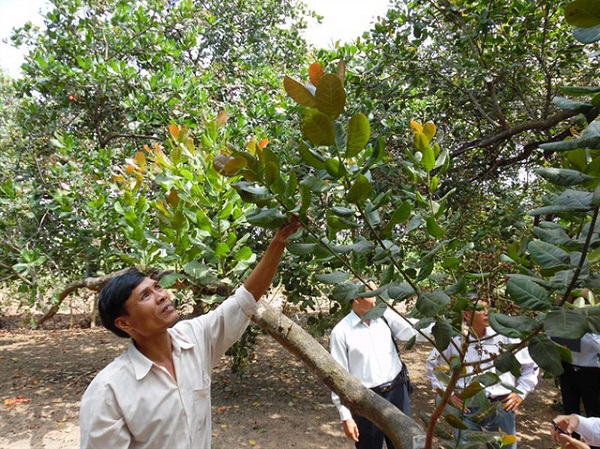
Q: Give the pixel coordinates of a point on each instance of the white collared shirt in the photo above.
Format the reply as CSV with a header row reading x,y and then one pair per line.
x,y
489,345
367,351
589,352
134,403
589,428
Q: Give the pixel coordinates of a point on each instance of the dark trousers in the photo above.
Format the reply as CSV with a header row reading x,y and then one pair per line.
x,y
370,436
580,385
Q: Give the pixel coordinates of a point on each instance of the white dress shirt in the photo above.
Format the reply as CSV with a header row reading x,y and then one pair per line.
x,y
489,345
368,351
589,353
589,428
134,403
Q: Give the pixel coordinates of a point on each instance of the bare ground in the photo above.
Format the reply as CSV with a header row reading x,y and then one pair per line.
x,y
277,404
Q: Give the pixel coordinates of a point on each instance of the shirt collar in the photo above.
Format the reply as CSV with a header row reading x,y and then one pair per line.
x,y
354,319
142,364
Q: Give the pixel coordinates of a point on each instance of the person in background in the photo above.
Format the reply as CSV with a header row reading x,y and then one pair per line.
x,y
484,343
566,425
367,350
157,393
580,381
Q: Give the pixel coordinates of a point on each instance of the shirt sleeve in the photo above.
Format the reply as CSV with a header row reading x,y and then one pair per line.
x,y
433,361
339,352
529,373
403,329
100,424
222,327
589,428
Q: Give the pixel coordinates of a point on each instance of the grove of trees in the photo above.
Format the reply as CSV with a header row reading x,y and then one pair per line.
x,y
452,149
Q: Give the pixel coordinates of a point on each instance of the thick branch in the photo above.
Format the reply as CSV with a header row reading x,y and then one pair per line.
x,y
539,125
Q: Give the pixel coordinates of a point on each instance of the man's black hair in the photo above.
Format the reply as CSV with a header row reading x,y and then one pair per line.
x,y
111,301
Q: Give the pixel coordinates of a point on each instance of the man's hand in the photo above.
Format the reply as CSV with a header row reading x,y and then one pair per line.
x,y
351,430
568,423
512,402
568,442
287,229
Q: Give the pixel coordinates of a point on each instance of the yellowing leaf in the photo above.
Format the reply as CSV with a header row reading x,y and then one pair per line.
x,y
298,92
221,119
174,130
416,127
251,146
315,73
429,130
420,141
508,439
252,443
173,198
140,159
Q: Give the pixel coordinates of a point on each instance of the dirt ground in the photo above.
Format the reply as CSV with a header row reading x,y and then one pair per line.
x,y
277,404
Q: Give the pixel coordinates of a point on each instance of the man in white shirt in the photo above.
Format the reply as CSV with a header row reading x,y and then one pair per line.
x,y
588,428
580,381
157,393
483,344
366,349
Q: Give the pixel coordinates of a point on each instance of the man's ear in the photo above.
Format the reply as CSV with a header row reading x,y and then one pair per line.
x,y
123,324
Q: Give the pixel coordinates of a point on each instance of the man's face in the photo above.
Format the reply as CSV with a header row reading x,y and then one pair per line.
x,y
149,310
363,305
480,317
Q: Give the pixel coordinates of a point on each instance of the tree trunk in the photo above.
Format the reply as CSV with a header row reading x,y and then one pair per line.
x,y
404,432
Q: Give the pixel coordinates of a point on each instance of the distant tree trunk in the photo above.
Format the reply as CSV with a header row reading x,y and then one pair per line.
x,y
404,432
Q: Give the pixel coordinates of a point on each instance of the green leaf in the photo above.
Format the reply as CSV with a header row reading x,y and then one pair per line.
x,y
311,158
169,280
359,132
471,390
301,249
360,190
508,363
429,304
337,277
546,354
266,218
565,323
271,173
548,255
200,272
587,35
298,92
583,13
400,215
434,229
330,95
335,168
346,292
315,184
317,127
562,176
428,161
399,292
442,332
512,326
528,294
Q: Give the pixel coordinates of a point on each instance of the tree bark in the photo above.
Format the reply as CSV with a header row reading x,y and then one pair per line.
x,y
404,432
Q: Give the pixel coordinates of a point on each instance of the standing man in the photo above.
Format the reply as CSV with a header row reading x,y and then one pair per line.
x,y
157,393
366,349
483,344
580,380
